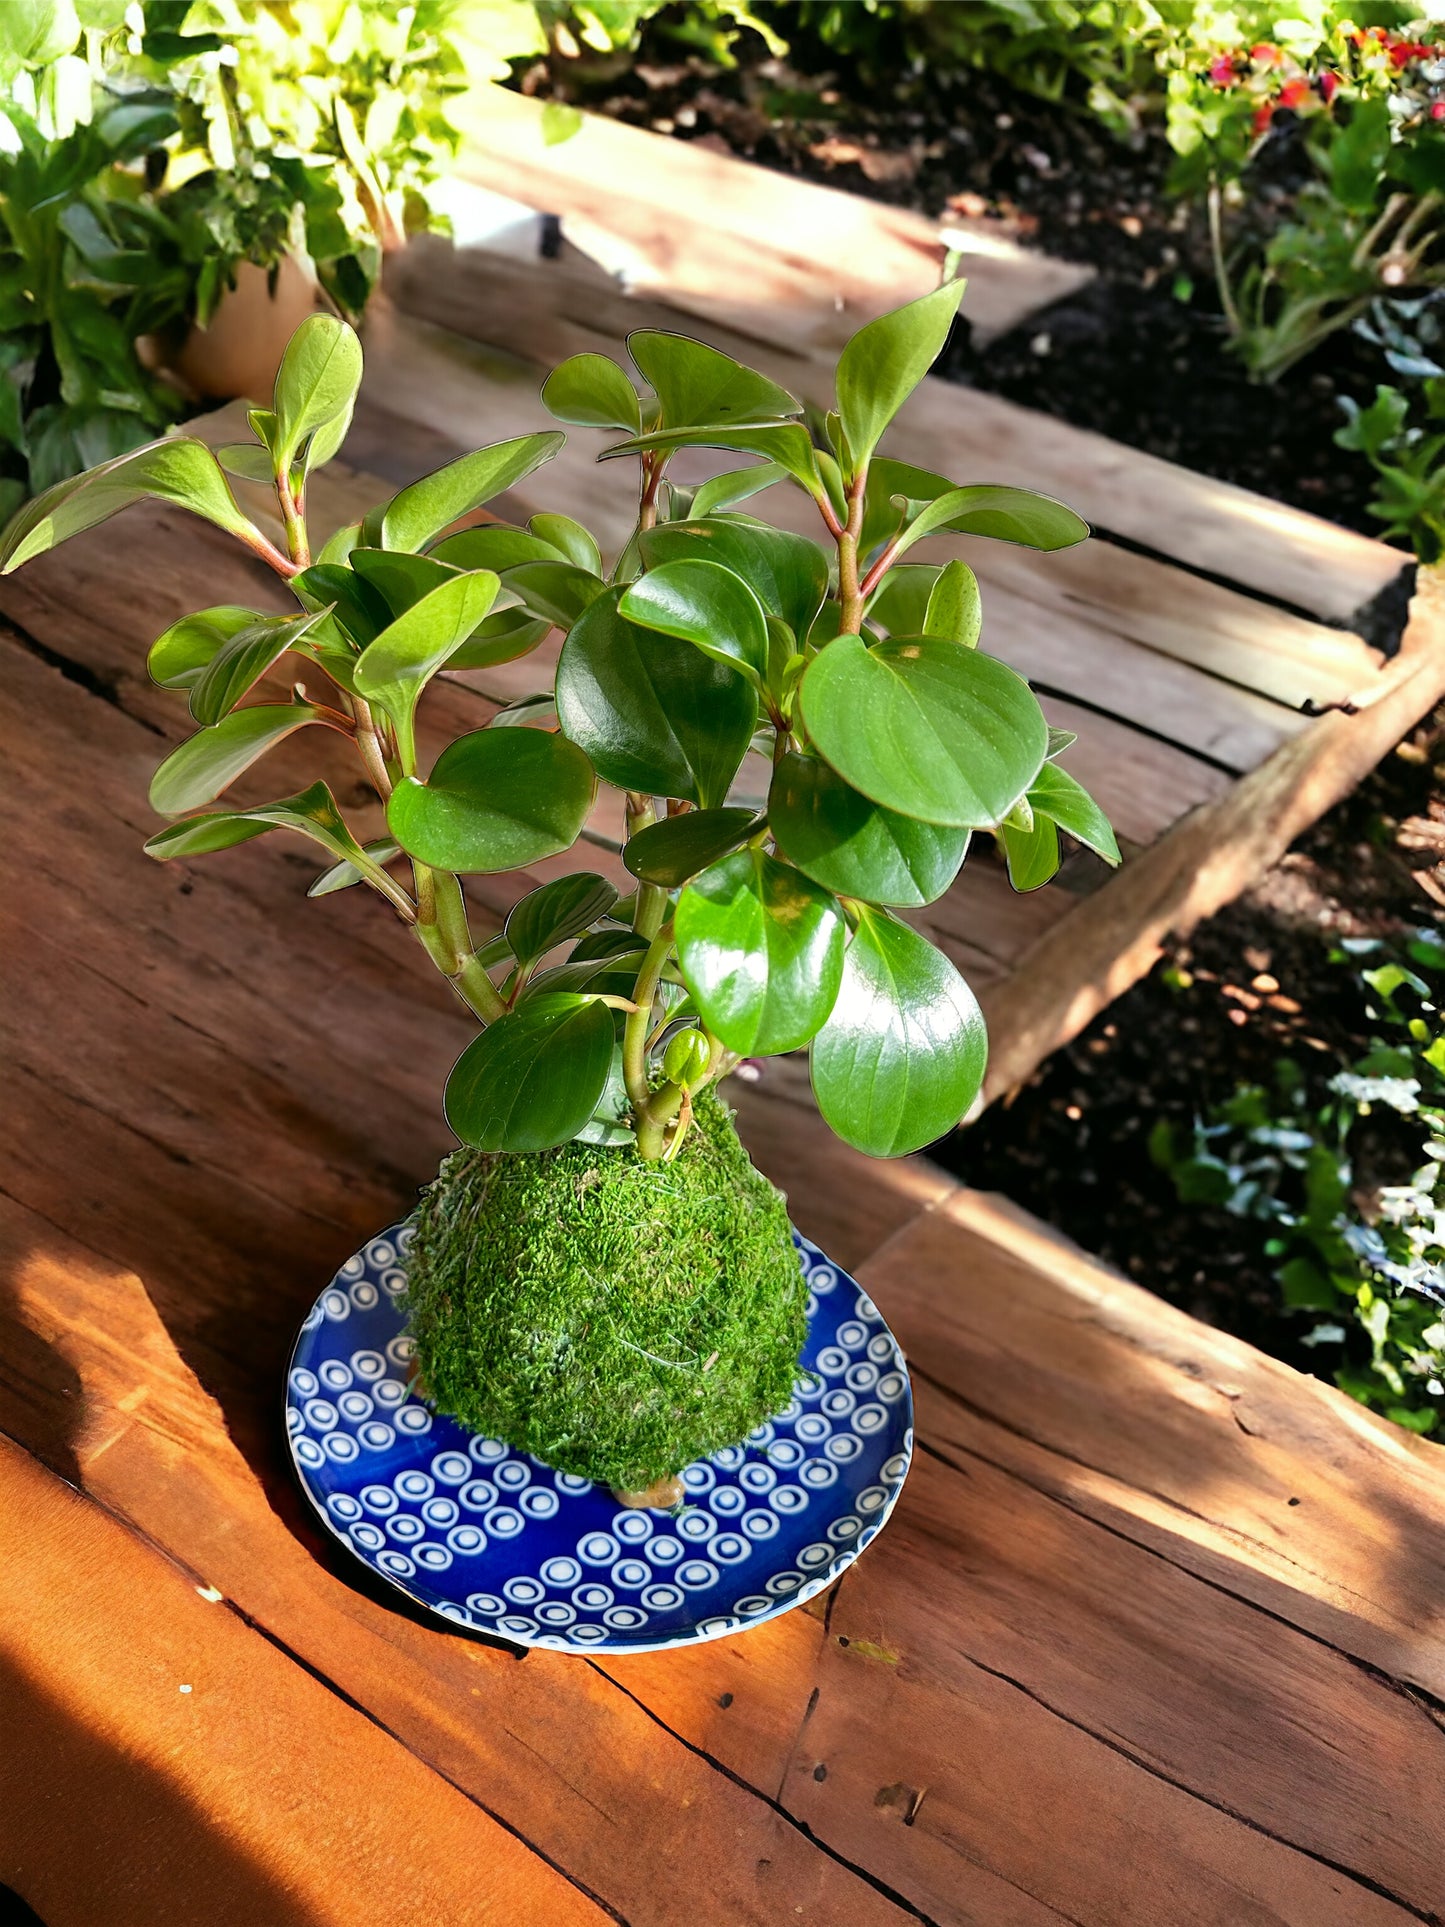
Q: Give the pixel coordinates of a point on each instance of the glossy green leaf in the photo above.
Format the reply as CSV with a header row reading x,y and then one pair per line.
x,y
885,361
921,726
1059,741
1033,853
495,547
577,544
400,579
902,1057
787,573
316,385
955,608
1062,798
891,486
179,470
675,849
592,392
312,813
697,384
178,657
197,770
736,486
855,847
785,443
654,714
1004,514
338,546
361,610
539,708
761,950
533,1078
555,592
686,1058
381,850
705,604
502,637
240,663
558,910
900,604
496,800
609,1124
395,668
412,518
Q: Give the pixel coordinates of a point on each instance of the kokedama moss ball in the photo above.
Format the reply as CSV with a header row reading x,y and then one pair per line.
x,y
617,1317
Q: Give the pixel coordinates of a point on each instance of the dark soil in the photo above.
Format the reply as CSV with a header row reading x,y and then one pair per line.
x,y
1140,353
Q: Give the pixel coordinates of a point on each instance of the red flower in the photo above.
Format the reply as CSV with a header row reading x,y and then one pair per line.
x,y
1262,118
1402,52
1294,93
1329,86
1266,54
1437,110
1221,70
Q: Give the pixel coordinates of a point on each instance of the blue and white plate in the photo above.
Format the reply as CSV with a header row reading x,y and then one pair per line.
x,y
494,1539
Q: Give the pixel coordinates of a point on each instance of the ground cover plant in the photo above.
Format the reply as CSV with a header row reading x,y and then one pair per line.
x,y
605,1024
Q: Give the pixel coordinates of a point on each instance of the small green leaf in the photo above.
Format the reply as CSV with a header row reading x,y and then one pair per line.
x,y
900,602
841,840
496,547
654,714
554,592
760,947
787,444
1055,794
558,910
178,657
316,385
503,637
312,813
178,470
592,392
609,1124
704,604
241,662
885,361
395,668
697,384
1033,853
533,1079
577,544
361,610
338,547
787,573
923,727
955,610
1004,514
1059,741
497,799
398,578
736,486
901,1059
677,848
196,772
248,461
412,518
686,1058
341,876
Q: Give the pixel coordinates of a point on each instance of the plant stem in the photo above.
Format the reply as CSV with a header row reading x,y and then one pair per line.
x,y
639,1023
850,593
369,743
1221,267
298,546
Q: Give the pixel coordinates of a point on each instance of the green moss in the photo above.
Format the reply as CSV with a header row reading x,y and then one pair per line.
x,y
618,1318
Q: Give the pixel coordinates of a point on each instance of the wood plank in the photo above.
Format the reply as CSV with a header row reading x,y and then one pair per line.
x,y
542,314
161,1760
775,255
1186,1441
1207,859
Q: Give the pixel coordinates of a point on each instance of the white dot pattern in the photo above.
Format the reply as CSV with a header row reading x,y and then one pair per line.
x,y
493,1539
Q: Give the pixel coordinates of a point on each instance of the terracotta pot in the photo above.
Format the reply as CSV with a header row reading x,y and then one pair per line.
x,y
239,353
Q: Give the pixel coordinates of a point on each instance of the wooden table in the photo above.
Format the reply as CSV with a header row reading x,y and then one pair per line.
x,y
1156,1635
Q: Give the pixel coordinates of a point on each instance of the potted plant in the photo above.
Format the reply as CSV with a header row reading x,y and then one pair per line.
x,y
599,1277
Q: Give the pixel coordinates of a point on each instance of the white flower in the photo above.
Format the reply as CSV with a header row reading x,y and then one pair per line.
x,y
1400,1093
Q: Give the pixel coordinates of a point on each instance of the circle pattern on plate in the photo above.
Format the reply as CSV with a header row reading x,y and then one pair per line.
x,y
493,1539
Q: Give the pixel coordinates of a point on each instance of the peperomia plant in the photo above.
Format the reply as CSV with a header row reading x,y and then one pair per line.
x,y
758,925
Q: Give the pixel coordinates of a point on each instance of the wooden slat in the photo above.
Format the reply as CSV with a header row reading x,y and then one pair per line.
x,y
799,263
543,314
161,1760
